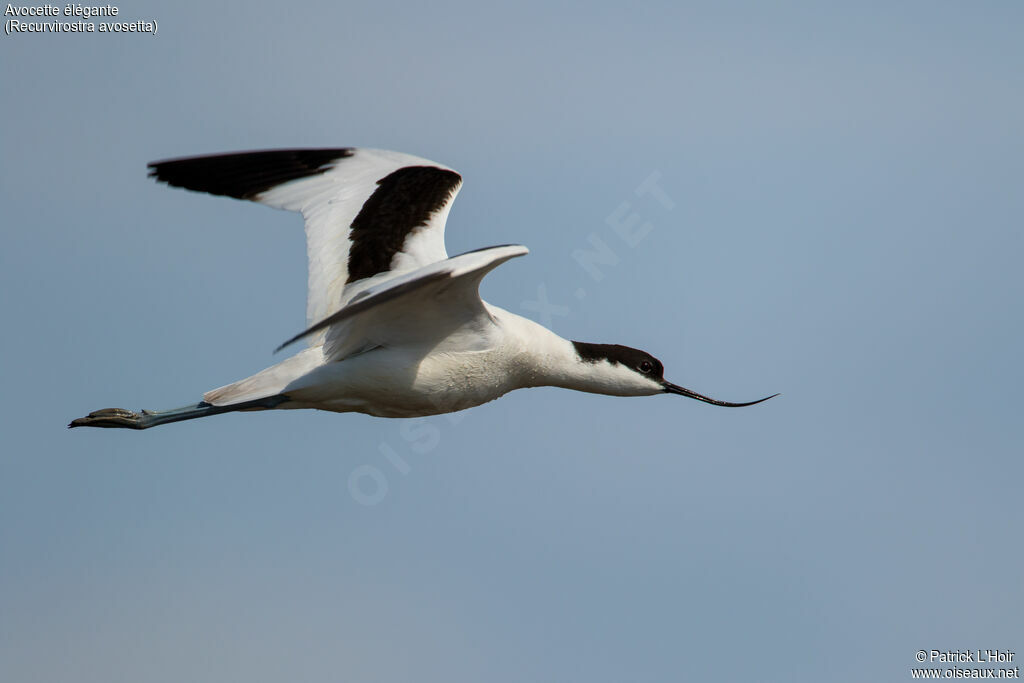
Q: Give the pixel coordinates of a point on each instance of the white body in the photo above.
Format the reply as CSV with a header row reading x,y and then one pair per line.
x,y
478,363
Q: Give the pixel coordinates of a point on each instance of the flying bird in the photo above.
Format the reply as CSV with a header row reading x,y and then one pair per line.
x,y
396,327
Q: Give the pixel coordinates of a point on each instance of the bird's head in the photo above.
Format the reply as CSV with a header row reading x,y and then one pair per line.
x,y
624,371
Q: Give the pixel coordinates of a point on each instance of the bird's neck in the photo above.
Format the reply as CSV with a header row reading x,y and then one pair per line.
x,y
540,358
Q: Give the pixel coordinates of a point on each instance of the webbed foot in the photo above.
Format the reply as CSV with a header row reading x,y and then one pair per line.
x,y
110,417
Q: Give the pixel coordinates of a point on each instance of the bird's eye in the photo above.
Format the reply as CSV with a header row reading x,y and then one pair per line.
x,y
646,367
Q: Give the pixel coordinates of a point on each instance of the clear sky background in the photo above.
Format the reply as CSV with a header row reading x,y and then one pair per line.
x,y
841,222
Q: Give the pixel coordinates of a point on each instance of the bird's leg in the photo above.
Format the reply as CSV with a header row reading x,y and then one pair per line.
x,y
144,419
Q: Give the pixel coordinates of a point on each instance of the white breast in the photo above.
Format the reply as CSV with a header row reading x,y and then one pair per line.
x,y
404,382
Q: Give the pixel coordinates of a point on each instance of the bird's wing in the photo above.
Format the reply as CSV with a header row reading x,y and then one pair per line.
x,y
420,307
369,214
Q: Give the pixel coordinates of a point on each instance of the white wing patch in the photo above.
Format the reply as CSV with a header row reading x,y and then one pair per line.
x,y
369,213
417,307
330,203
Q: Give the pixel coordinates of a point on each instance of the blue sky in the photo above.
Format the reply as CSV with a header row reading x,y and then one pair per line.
x,y
841,222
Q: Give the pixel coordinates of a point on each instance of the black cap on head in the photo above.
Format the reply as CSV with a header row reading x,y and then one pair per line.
x,y
635,359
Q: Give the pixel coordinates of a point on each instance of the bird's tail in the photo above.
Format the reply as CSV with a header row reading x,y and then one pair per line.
x,y
144,419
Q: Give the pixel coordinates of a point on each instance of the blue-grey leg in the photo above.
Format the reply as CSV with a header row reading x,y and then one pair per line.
x,y
144,419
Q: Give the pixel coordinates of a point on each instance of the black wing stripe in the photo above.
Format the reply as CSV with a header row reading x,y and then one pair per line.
x,y
403,201
245,175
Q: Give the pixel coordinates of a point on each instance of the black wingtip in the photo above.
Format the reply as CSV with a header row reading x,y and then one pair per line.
x,y
300,335
244,175
288,343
